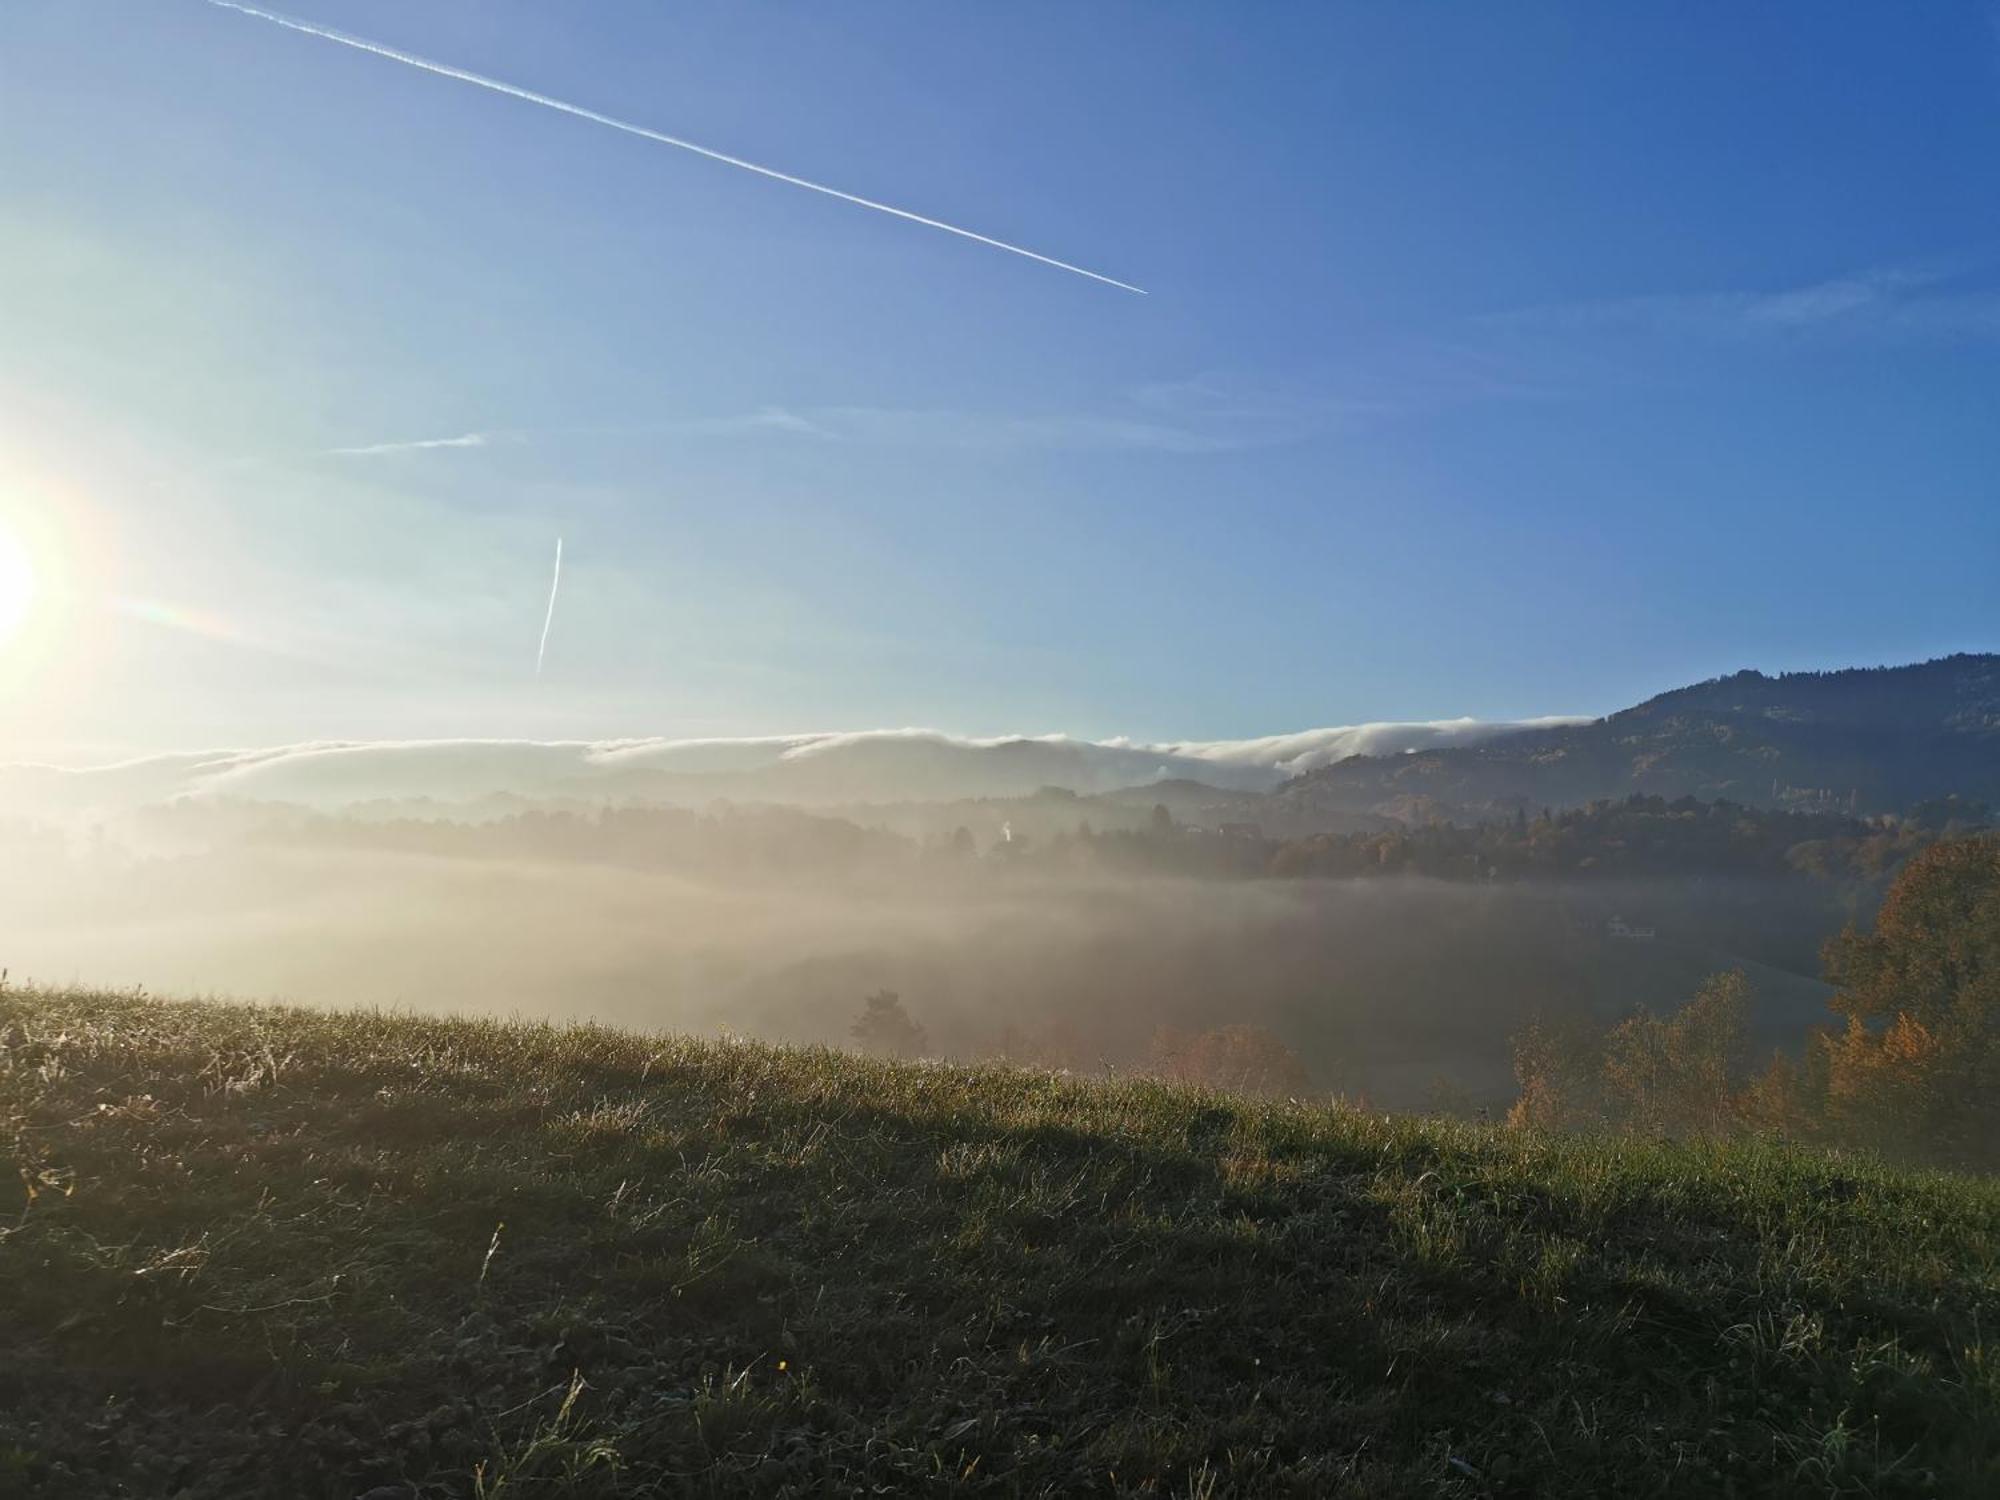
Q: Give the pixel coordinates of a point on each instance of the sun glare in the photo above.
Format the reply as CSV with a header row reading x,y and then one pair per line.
x,y
17,583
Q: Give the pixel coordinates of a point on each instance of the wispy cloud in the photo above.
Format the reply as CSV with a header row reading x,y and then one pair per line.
x,y
1953,300
1215,412
918,427
1184,418
1210,413
764,419
415,445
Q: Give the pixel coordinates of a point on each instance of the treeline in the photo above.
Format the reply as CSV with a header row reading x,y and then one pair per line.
x,y
1908,1066
1637,837
1911,1067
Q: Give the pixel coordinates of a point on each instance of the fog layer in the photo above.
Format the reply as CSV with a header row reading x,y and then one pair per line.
x,y
778,929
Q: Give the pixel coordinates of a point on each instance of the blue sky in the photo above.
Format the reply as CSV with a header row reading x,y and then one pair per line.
x,y
1497,361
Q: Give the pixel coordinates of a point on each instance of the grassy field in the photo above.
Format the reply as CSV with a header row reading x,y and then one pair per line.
x,y
262,1251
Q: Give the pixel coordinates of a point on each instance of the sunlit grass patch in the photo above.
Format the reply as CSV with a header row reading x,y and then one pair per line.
x,y
268,1251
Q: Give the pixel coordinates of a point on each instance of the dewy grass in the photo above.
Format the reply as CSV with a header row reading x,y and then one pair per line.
x,y
253,1251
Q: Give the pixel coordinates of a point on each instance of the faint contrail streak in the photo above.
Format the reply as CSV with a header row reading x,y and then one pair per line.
x,y
549,619
480,80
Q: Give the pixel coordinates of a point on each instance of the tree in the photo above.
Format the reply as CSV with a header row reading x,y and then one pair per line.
x,y
1679,1075
885,1029
1935,952
1917,1068
1557,1063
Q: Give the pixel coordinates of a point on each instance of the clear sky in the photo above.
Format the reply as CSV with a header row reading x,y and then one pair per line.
x,y
1498,360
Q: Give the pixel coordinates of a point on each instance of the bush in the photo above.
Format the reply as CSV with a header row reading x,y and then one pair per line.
x,y
885,1029
1239,1059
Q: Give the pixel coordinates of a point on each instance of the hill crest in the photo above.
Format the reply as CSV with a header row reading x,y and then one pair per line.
x,y
1859,740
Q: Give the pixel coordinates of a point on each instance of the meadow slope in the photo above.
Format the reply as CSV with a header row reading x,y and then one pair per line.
x,y
269,1251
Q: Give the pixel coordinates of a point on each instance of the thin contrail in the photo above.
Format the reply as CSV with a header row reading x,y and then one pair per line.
x,y
445,71
549,619
415,445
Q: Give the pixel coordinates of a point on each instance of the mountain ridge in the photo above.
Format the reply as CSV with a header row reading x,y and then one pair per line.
x,y
1859,740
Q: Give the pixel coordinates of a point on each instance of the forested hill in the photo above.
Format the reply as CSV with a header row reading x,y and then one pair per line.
x,y
1866,740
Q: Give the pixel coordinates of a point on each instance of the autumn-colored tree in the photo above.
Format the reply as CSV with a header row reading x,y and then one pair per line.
x,y
1934,954
1917,1069
885,1029
1558,1063
1673,1075
1891,1088
1239,1059
1679,1075
1789,1097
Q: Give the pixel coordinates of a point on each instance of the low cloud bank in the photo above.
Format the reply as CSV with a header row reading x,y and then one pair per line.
x,y
1295,754
805,769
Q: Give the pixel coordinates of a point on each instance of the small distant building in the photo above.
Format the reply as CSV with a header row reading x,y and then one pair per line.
x,y
1618,927
1241,830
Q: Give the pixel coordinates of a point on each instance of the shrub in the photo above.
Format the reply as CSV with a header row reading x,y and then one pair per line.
x,y
885,1029
1240,1059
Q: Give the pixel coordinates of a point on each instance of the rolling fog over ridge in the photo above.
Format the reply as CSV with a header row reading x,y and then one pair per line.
x,y
863,766
1862,740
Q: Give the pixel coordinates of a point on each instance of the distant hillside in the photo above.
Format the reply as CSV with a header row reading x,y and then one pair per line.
x,y
1868,740
476,777
1856,741
270,1252
1200,805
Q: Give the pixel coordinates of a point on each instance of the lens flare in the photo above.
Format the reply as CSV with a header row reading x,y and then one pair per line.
x,y
178,617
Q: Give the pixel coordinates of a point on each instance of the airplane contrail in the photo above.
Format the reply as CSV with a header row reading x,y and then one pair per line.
x,y
444,70
549,619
